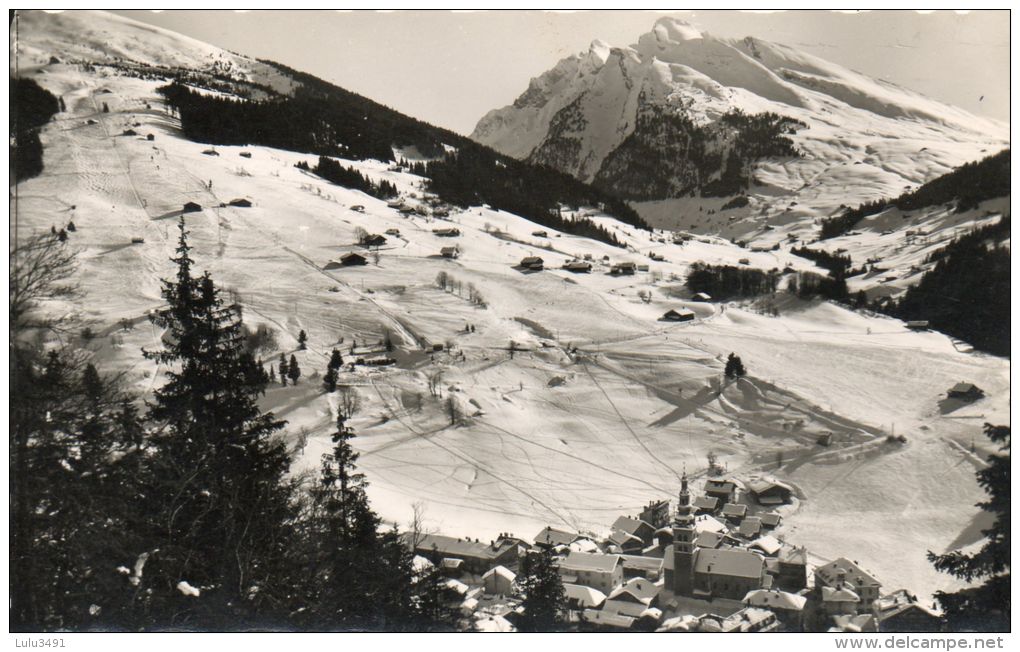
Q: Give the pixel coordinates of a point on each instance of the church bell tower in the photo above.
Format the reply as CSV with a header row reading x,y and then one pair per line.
x,y
683,542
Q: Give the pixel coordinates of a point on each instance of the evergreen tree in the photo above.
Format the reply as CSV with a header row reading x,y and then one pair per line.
x,y
302,339
220,502
336,360
329,380
293,370
544,599
985,607
284,370
734,367
361,579
71,226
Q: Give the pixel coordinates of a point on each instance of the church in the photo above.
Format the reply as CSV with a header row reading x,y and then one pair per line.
x,y
706,573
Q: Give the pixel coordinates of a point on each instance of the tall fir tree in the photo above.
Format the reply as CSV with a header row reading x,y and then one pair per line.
x,y
293,370
221,502
544,598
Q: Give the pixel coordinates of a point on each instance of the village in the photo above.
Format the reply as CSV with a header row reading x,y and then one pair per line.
x,y
711,562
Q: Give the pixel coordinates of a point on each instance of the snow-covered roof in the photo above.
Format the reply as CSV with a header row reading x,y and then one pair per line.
x,y
775,599
767,544
585,595
583,561
502,571
736,563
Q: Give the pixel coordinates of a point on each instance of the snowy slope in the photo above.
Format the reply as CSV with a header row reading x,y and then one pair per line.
x,y
551,435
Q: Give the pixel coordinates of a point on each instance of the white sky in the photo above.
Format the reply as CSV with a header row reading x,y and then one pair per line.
x,y
450,68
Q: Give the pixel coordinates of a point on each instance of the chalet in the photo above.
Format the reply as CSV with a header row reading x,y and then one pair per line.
x,y
768,545
633,598
137,240
578,267
446,233
789,607
449,252
373,240
407,210
655,256
583,597
602,572
770,520
358,208
393,232
965,391
918,325
191,207
540,234
824,439
727,573
724,490
706,505
636,527
210,152
240,202
129,132
701,296
477,557
625,542
642,268
744,261
901,612
352,258
734,512
451,567
499,580
395,204
679,315
750,527
842,572
150,137
533,263
623,269
551,537
244,154
770,492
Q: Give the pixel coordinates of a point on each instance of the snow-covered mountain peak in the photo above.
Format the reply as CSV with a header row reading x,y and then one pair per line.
x,y
675,30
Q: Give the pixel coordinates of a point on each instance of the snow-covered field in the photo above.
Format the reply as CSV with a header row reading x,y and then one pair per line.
x,y
553,435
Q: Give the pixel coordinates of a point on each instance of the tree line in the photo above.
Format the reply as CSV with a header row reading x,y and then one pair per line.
x,y
967,186
31,107
723,282
349,177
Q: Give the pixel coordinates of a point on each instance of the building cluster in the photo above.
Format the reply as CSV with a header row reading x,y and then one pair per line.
x,y
714,563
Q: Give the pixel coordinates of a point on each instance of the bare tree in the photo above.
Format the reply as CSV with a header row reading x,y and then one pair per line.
x,y
433,380
416,528
348,401
40,270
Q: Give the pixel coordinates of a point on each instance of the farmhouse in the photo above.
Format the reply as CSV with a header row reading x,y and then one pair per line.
x,y
352,258
919,325
679,315
635,527
373,240
191,207
551,537
701,296
724,490
578,267
449,252
965,391
477,557
540,234
240,202
770,492
623,269
446,233
533,263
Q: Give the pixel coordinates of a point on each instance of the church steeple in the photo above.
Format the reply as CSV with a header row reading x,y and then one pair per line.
x,y
683,541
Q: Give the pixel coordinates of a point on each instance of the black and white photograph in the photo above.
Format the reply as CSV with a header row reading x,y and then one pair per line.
x,y
428,322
